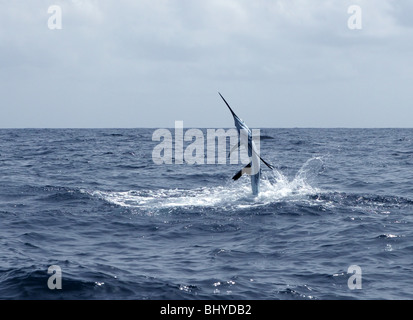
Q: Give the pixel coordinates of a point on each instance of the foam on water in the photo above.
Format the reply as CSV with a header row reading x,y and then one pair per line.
x,y
275,187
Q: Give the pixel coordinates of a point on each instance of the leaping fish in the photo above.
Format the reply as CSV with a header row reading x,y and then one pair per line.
x,y
245,138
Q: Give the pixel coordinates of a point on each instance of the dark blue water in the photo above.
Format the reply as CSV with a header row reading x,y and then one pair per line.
x,y
121,227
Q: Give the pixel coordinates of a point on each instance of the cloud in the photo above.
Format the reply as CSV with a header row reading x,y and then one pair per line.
x,y
148,63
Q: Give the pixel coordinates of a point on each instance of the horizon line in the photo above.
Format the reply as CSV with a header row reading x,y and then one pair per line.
x,y
191,127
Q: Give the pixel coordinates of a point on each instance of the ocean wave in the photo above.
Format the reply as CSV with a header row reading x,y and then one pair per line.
x,y
364,203
31,283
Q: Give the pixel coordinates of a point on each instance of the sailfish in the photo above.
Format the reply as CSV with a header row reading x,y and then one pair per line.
x,y
245,138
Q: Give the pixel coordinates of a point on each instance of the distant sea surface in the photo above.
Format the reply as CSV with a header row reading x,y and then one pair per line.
x,y
119,226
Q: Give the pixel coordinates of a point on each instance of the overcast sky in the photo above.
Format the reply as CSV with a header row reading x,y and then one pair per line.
x,y
147,63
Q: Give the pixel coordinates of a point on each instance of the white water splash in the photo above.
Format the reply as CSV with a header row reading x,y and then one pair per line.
x,y
275,187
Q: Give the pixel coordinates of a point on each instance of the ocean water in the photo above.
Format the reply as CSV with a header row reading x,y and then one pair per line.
x,y
93,202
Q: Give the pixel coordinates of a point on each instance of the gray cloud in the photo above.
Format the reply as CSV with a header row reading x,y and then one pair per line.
x,y
147,63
